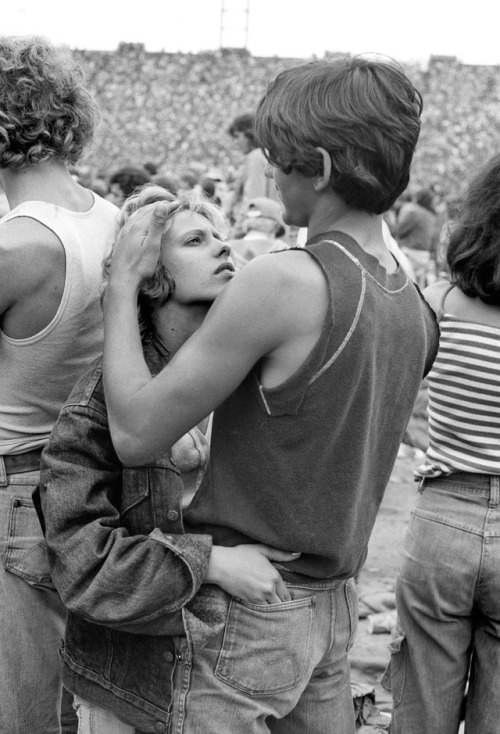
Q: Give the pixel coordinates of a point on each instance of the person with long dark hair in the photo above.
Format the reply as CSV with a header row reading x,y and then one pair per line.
x,y
448,590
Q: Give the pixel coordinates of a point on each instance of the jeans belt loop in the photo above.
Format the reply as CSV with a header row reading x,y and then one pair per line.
x,y
3,473
494,491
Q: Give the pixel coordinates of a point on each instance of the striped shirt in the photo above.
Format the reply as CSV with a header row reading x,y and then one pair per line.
x,y
464,401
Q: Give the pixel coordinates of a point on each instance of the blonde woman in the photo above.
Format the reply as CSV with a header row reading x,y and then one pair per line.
x,y
117,551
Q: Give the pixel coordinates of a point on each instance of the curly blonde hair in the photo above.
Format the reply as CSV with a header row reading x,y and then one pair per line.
x,y
156,291
45,110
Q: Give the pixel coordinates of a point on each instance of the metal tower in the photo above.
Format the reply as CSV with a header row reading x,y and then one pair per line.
x,y
234,16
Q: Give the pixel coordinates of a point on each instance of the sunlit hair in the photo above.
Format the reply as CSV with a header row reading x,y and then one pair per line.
x,y
156,291
45,110
473,252
363,111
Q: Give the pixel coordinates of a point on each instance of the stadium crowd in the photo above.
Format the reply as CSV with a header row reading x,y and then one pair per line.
x,y
169,114
175,109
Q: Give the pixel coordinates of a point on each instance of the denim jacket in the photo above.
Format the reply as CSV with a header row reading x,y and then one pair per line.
x,y
119,559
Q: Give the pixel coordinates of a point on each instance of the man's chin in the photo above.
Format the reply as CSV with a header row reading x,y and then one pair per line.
x,y
292,220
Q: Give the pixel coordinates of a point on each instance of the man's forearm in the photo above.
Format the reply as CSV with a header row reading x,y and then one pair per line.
x,y
124,368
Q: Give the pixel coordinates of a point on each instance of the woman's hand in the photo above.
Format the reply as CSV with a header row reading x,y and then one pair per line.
x,y
137,248
246,572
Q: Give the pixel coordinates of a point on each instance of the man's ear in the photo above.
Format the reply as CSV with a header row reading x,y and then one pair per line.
x,y
322,180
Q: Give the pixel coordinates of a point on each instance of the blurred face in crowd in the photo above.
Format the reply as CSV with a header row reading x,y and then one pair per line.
x,y
116,195
197,257
241,142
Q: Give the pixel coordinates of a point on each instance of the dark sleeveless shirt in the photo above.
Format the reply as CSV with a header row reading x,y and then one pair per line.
x,y
303,466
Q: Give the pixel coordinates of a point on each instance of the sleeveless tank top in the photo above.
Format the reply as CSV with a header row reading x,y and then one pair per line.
x,y
303,466
464,399
38,373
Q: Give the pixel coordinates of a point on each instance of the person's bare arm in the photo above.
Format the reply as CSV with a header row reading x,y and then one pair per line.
x,y
266,306
32,272
237,332
15,270
433,294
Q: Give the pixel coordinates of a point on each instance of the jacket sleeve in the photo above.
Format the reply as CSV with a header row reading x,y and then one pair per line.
x,y
132,582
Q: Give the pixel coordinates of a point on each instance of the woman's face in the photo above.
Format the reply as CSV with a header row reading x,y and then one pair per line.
x,y
198,258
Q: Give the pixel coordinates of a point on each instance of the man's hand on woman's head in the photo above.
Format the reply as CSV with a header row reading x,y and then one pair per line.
x,y
137,248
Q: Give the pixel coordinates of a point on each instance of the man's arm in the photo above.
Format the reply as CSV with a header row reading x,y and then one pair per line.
x,y
272,310
250,319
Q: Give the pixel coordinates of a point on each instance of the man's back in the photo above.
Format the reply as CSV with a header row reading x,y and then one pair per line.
x,y
51,326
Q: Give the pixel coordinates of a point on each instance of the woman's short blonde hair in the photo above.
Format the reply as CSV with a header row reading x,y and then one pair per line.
x,y
45,110
156,291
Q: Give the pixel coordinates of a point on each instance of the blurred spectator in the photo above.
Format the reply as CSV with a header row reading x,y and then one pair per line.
x,y
252,181
167,182
188,179
393,246
151,168
263,226
209,188
416,234
453,209
123,183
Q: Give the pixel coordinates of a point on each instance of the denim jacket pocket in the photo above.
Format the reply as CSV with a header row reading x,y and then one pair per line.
x,y
26,554
135,489
148,493
266,648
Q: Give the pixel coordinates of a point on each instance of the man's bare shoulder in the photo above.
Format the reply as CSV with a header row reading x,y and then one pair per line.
x,y
24,237
279,290
287,268
29,252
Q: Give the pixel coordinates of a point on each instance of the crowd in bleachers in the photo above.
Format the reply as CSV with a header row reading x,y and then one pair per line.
x,y
174,110
170,113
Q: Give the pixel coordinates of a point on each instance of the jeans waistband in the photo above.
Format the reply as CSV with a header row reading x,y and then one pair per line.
x,y
19,463
299,579
489,484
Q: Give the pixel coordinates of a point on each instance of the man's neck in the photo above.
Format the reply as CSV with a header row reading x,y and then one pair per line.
x,y
50,182
365,228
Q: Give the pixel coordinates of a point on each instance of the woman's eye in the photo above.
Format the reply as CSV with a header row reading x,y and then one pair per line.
x,y
194,241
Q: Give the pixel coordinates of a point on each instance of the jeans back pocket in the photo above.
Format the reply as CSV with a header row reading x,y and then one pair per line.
x,y
266,648
26,553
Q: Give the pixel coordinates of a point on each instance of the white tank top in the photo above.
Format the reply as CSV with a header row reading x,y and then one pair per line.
x,y
38,373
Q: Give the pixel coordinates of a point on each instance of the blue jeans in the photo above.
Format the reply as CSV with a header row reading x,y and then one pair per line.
x,y
95,720
279,668
32,619
448,603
